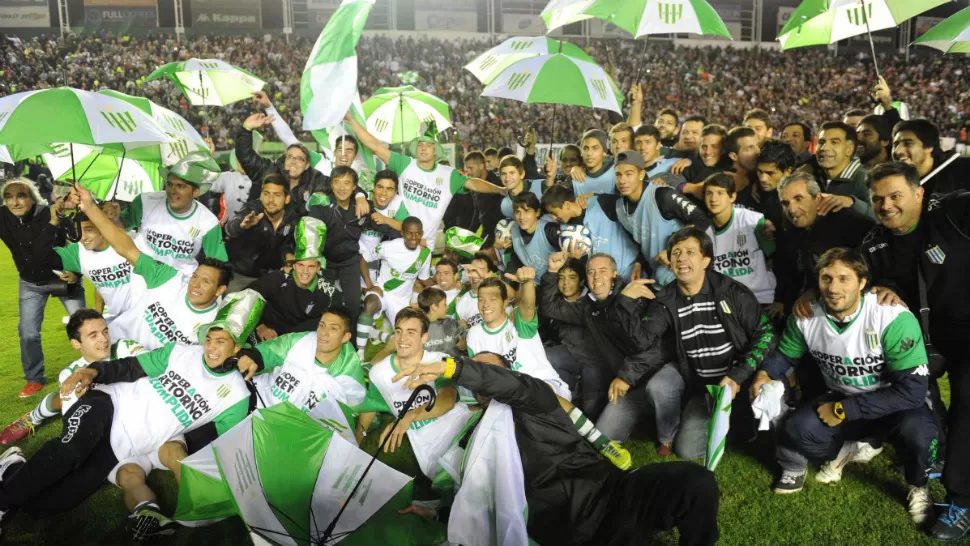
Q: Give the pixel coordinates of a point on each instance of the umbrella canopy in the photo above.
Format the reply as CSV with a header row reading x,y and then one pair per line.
x,y
487,66
289,504
104,175
639,17
821,22
952,35
31,123
185,138
399,114
557,79
209,82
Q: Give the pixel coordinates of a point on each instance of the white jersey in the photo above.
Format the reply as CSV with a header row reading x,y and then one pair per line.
x,y
292,374
738,254
234,187
180,394
426,193
108,271
465,307
163,313
518,341
430,438
121,349
175,239
369,239
857,356
400,267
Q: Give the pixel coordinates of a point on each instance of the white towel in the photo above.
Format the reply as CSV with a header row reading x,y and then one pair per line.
x,y
769,405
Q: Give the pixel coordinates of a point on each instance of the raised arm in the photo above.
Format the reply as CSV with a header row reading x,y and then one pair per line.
x,y
116,237
482,186
526,300
369,140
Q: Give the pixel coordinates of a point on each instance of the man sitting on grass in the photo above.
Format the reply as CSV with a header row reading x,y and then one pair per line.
x,y
873,361
445,334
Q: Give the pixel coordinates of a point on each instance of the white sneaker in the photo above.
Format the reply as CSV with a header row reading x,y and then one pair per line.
x,y
831,472
920,504
10,457
865,453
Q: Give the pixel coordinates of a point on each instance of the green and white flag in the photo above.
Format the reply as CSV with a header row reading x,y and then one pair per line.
x,y
209,82
718,425
329,81
409,78
465,243
640,17
292,504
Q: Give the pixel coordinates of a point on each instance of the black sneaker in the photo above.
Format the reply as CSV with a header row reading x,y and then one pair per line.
x,y
789,482
952,524
147,522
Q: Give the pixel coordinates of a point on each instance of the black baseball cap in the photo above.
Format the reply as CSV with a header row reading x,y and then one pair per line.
x,y
629,158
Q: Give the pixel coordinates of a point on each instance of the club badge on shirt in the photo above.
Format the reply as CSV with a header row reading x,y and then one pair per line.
x,y
936,255
872,339
742,238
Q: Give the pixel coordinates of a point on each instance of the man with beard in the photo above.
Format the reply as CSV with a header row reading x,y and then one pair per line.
x,y
775,161
874,141
257,238
917,142
798,135
842,175
918,257
759,121
667,123
873,362
813,233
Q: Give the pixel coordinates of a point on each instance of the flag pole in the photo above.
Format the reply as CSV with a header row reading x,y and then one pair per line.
x,y
407,406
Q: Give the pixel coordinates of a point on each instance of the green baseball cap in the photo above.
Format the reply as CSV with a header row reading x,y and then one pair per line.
x,y
196,168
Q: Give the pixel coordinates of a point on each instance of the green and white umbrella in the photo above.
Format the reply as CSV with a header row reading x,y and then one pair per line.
x,y
209,82
106,176
33,122
557,79
640,17
822,22
398,114
487,66
718,425
185,138
249,471
952,35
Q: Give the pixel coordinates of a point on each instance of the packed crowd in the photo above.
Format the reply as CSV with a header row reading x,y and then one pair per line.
x,y
660,268
720,84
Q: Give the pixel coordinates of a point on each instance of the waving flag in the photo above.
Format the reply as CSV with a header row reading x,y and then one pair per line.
x,y
329,82
718,425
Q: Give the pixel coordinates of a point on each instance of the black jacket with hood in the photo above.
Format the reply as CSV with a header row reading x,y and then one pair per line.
x,y
257,166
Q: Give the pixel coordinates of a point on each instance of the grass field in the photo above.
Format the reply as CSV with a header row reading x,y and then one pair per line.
x,y
867,508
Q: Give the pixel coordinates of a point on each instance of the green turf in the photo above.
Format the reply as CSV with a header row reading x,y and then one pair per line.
x,y
868,507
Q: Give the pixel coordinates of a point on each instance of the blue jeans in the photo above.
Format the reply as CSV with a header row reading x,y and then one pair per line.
x,y
33,302
594,380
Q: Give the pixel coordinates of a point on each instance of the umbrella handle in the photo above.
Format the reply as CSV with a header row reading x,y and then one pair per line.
x,y
407,407
872,46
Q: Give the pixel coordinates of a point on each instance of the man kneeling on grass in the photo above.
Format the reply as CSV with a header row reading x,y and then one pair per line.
x,y
873,361
139,404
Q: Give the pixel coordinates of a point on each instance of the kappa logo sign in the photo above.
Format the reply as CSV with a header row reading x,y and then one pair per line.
x,y
121,121
670,13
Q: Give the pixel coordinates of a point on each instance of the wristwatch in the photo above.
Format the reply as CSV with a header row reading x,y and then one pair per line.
x,y
838,410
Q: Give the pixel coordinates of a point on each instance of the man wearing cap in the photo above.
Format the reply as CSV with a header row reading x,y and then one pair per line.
x,y
426,186
172,226
258,236
651,213
318,372
596,174
296,300
141,403
176,301
27,224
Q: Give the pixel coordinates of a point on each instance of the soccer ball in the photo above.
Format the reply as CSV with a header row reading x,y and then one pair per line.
x,y
578,236
503,230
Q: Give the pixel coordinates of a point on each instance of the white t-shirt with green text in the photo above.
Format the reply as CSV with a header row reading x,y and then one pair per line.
x,y
175,239
427,193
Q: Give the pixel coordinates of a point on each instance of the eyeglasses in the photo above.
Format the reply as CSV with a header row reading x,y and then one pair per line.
x,y
297,158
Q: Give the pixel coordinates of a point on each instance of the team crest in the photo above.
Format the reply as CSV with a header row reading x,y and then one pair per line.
x,y
725,307
223,391
309,308
936,255
872,339
286,230
439,181
508,336
194,231
742,239
907,344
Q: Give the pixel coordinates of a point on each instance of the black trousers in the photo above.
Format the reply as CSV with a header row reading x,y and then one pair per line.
x,y
348,274
67,470
956,472
461,212
659,497
489,214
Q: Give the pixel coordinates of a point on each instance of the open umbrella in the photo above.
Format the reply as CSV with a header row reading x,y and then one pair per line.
x,y
487,66
185,138
397,114
106,176
249,472
952,35
33,122
822,22
639,17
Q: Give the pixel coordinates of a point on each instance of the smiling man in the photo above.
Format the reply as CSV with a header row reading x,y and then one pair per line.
x,y
844,180
595,175
720,335
917,142
404,262
173,227
873,362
